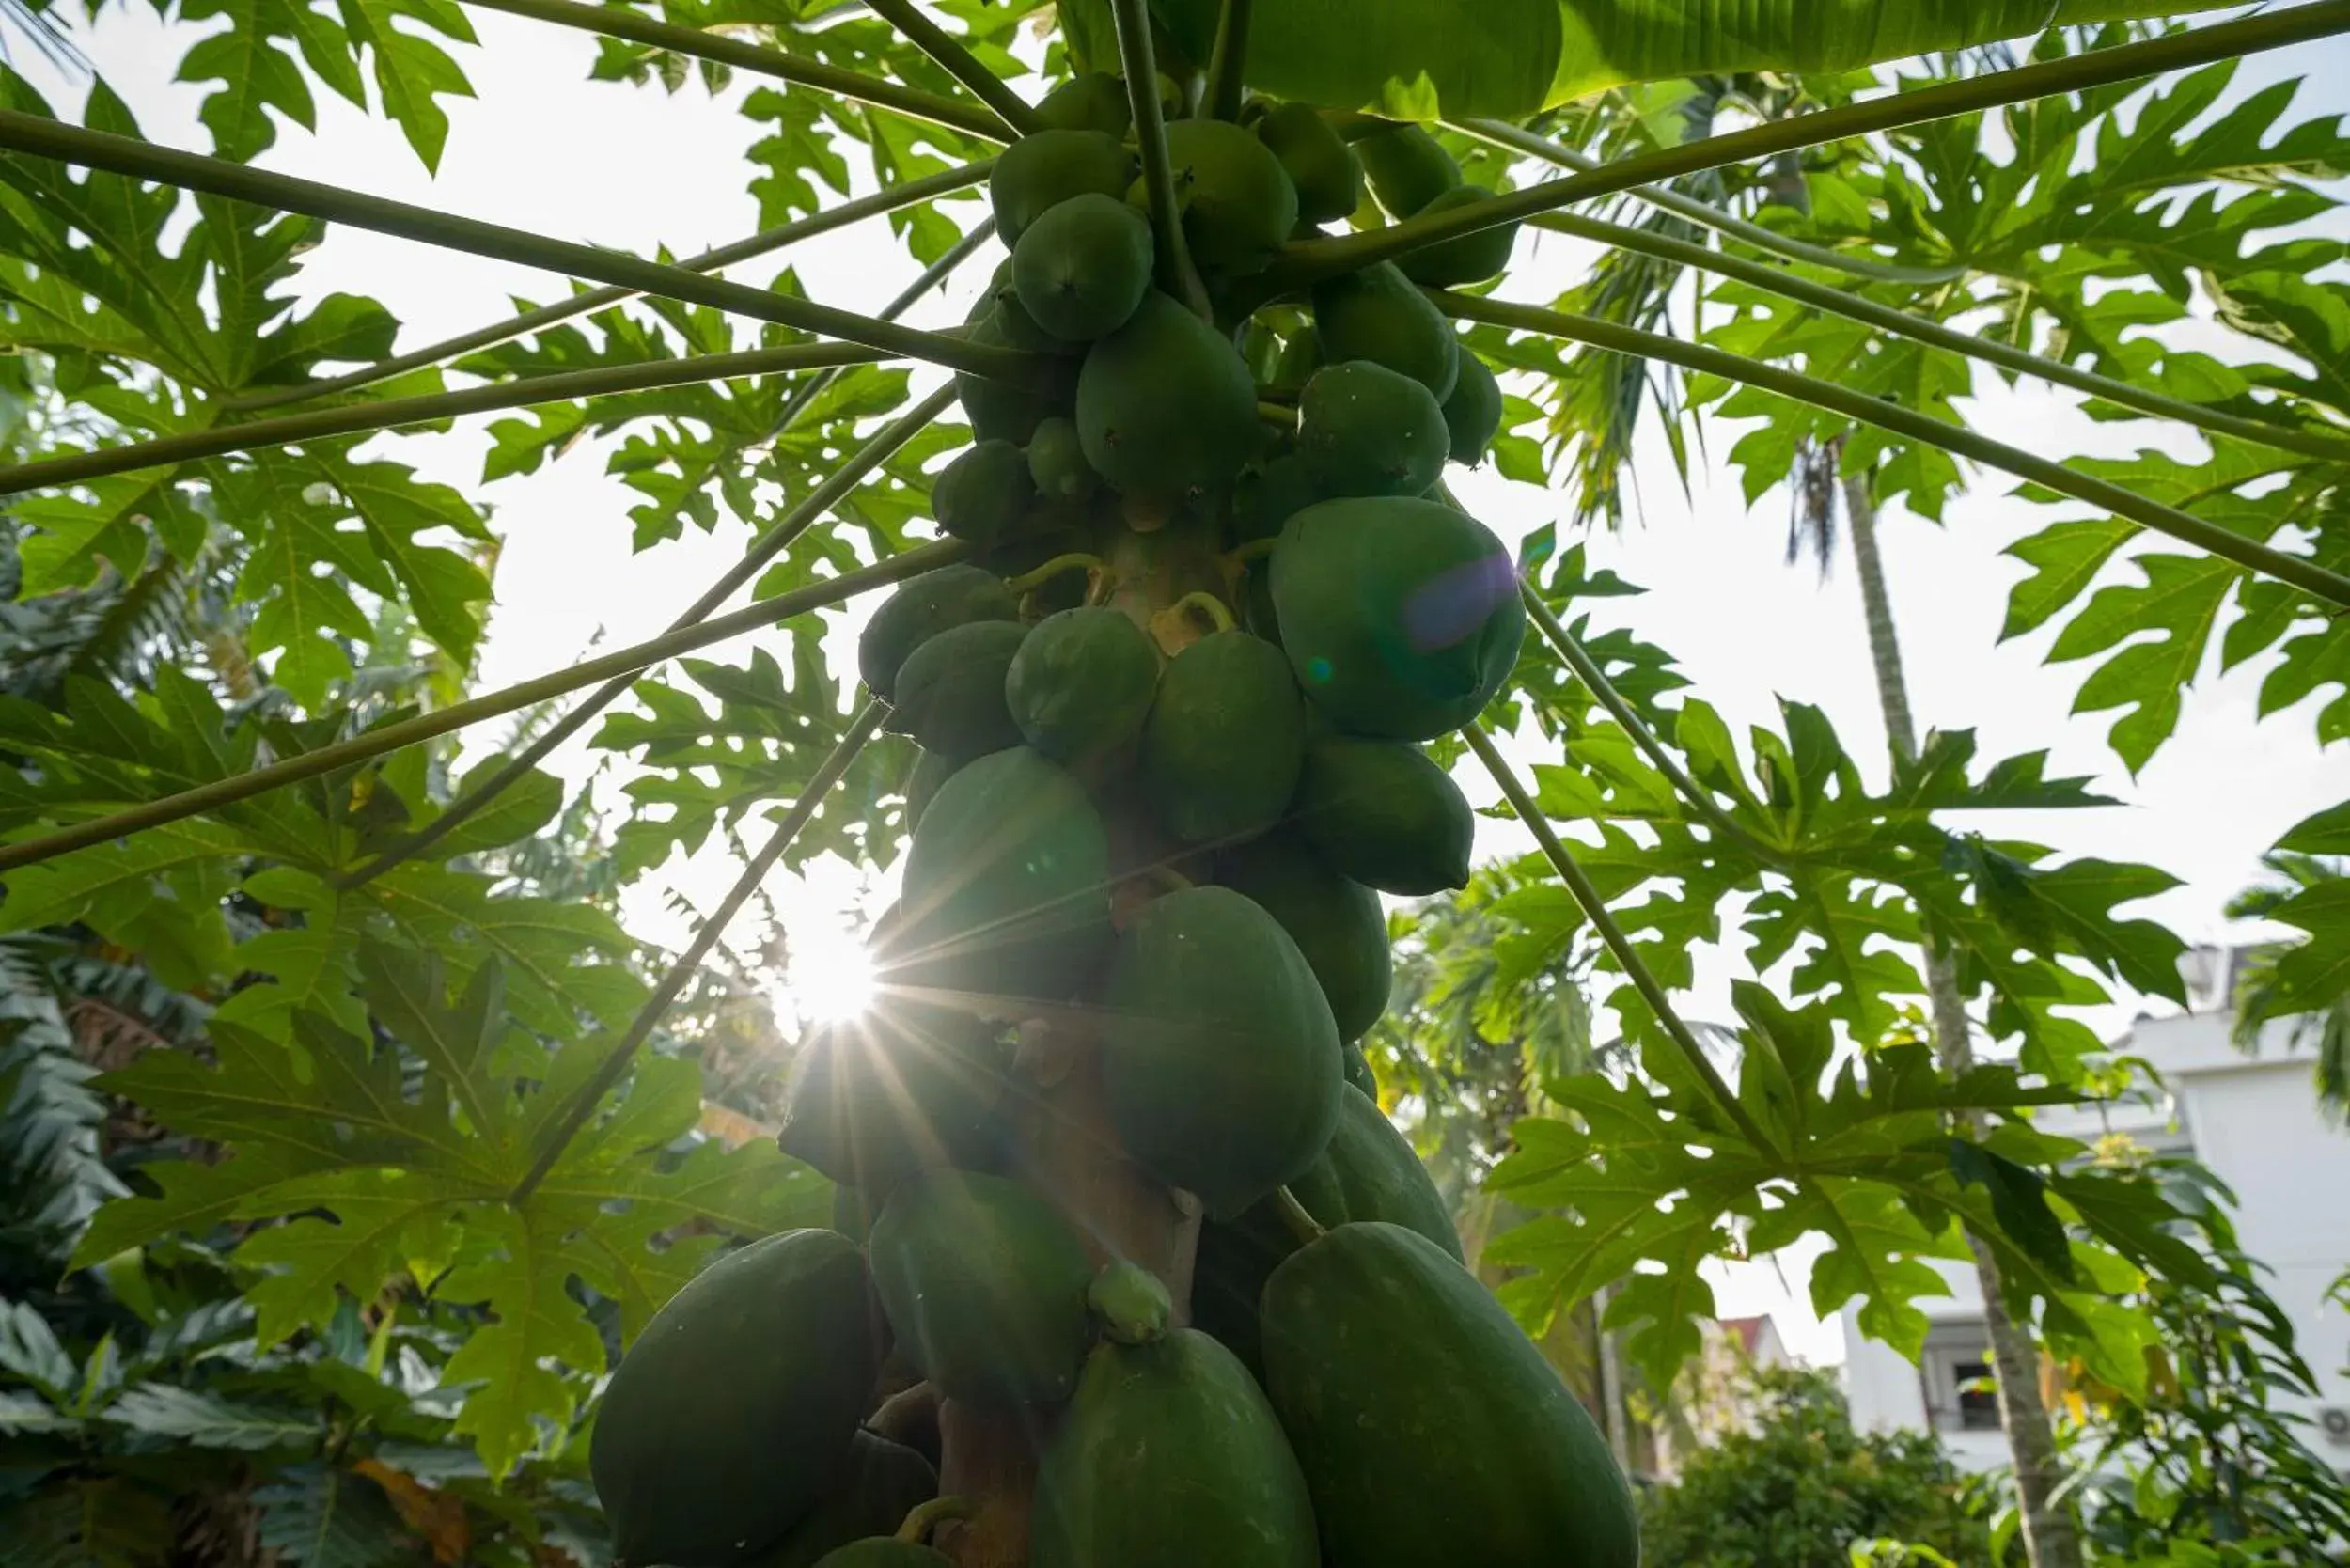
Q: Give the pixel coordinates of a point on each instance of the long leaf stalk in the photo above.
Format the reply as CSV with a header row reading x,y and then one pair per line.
x,y
614,22
948,53
1176,274
393,412
2300,573
127,155
1595,910
683,968
1587,670
836,487
1778,280
1228,60
896,198
1311,261
1664,198
526,694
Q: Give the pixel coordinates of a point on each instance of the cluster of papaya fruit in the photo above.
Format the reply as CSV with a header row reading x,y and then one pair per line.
x,y
1169,716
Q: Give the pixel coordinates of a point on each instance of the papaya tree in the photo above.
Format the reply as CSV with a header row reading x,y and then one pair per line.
x,y
1086,1242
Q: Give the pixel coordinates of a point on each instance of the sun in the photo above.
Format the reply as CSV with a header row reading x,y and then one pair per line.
x,y
830,976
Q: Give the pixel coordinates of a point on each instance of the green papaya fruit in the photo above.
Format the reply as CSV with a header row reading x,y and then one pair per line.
x,y
931,604
1224,741
878,1483
985,494
1472,416
1408,168
1057,466
1327,174
1338,924
896,1088
1367,1173
1039,172
1382,813
1258,615
1358,1073
1239,206
984,1285
1470,258
1301,357
1083,267
1170,1457
931,770
1401,616
1380,315
1364,430
735,1405
1090,101
1003,410
1166,407
950,690
1220,1058
1011,318
1007,886
1082,685
1269,495
1429,1427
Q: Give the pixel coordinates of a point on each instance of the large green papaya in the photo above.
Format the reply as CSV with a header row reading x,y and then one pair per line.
x,y
1225,739
1472,258
1472,416
1429,1427
950,690
878,1483
1057,466
1382,813
1039,172
1007,886
1239,205
1165,406
1380,315
985,1284
1218,1052
1006,410
1170,1457
736,1403
1369,1173
1364,430
1083,267
985,494
1408,168
1090,101
1401,616
931,604
901,1087
1082,685
1268,495
1327,174
1338,924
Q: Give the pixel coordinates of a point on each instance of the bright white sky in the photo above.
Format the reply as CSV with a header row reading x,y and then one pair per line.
x,y
543,148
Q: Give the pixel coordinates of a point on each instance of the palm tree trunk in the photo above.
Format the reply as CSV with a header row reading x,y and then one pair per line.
x,y
2050,1534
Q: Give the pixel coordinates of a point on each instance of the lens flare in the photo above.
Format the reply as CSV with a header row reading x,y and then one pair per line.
x,y
830,978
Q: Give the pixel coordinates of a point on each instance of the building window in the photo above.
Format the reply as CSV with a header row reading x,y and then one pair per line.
x,y
1955,1372
1977,1405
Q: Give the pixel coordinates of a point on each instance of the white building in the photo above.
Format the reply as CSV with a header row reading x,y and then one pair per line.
x,y
2254,1120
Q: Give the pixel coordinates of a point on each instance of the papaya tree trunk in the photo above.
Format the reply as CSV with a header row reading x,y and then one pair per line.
x,y
1065,1146
2051,1537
